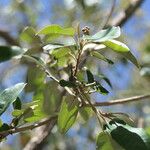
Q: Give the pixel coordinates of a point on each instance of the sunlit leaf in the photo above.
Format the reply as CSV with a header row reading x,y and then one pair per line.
x,y
116,45
93,46
9,95
58,30
17,113
29,35
67,116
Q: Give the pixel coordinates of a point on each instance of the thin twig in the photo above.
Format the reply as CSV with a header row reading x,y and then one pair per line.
x,y
110,13
24,128
122,101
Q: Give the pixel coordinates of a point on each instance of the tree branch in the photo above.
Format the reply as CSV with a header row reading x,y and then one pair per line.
x,y
50,122
110,13
8,38
122,101
125,15
24,128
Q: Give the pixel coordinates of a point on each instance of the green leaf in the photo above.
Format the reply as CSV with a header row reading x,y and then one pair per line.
x,y
29,35
53,46
101,89
17,113
17,104
116,46
101,57
90,76
85,113
101,76
129,140
4,127
130,57
64,83
61,52
117,120
1,123
9,95
104,35
58,30
67,115
105,142
34,118
8,52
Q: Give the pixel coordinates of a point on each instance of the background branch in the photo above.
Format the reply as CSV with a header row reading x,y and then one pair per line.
x,y
8,38
123,16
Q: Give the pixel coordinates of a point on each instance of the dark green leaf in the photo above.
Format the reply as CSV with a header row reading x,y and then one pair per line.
x,y
58,30
105,142
90,76
128,139
101,76
67,116
4,127
64,83
17,103
104,35
9,95
7,52
117,120
116,46
101,89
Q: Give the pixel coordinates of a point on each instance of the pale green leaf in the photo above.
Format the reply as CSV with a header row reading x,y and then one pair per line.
x,y
104,35
9,95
